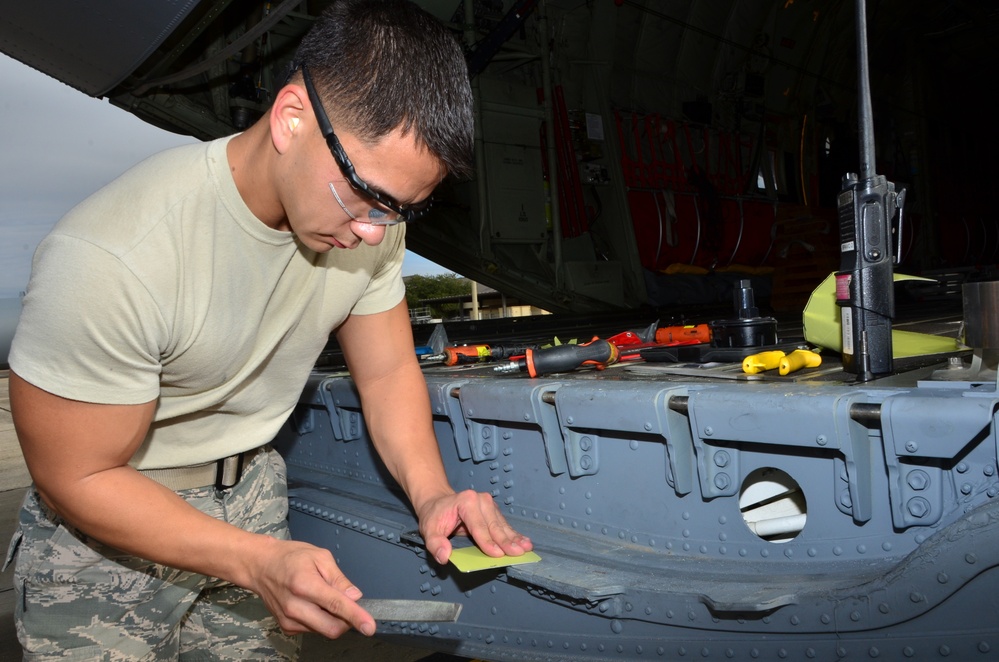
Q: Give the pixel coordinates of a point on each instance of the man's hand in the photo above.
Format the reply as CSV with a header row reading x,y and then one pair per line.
x,y
305,590
469,513
396,407
78,453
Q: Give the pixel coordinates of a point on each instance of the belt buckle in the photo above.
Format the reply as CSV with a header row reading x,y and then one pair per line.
x,y
228,471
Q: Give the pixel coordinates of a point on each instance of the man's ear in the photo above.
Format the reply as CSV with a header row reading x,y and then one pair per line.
x,y
286,116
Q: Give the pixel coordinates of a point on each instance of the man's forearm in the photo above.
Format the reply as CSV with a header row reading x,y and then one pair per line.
x,y
128,511
398,415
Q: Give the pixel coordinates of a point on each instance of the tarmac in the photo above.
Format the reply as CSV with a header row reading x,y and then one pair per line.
x,y
14,479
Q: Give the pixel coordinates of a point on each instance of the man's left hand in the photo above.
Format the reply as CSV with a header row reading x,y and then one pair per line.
x,y
473,514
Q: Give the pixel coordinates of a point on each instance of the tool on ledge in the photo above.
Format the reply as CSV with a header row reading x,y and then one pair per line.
x,y
465,354
691,334
411,610
785,364
563,358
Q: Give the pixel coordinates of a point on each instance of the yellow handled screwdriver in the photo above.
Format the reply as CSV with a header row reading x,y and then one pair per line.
x,y
755,363
798,359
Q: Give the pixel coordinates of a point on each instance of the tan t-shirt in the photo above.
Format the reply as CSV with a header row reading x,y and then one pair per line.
x,y
164,286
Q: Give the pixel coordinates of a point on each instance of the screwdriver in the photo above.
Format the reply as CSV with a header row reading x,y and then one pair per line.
x,y
755,363
463,354
563,358
798,359
785,364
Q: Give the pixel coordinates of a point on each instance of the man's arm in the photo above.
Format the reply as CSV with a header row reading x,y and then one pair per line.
x,y
78,453
382,360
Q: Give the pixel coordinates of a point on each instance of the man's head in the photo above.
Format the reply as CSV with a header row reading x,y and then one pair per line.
x,y
379,65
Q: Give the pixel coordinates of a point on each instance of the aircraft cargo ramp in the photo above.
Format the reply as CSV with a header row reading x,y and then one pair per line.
x,y
682,516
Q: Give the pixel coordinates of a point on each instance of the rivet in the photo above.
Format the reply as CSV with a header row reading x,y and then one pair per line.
x,y
708,431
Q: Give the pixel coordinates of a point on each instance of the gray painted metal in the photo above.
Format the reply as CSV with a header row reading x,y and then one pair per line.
x,y
635,492
411,610
89,46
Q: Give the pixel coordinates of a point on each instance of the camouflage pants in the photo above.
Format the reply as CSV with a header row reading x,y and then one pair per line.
x,y
80,600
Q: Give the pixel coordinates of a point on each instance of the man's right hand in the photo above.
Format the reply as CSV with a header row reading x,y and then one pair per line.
x,y
303,587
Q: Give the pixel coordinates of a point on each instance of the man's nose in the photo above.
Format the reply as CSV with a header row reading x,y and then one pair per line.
x,y
370,234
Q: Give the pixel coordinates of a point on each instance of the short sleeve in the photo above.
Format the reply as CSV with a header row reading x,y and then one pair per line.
x,y
88,330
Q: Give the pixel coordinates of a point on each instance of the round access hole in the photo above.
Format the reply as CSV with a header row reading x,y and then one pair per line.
x,y
773,505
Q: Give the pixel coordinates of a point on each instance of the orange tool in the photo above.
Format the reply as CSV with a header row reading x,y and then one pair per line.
x,y
692,334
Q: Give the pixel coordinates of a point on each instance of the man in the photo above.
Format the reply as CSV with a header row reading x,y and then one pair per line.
x,y
169,327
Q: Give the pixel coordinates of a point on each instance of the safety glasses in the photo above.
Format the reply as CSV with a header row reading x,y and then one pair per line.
x,y
406,213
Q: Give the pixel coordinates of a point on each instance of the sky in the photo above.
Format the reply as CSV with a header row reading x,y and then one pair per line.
x,y
57,146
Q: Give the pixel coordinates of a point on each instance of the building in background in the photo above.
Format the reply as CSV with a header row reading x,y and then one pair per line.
x,y
479,303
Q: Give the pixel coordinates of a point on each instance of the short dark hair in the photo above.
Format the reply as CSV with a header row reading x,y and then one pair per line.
x,y
383,64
